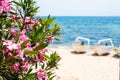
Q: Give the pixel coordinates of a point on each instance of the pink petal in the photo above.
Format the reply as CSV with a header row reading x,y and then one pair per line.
x,y
16,67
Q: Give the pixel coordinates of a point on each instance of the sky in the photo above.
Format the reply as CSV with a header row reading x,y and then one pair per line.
x,y
79,7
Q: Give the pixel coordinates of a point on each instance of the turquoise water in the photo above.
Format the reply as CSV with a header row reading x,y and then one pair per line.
x,y
94,28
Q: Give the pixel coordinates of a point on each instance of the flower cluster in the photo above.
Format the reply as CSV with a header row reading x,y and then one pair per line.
x,y
41,75
5,6
13,50
24,44
29,23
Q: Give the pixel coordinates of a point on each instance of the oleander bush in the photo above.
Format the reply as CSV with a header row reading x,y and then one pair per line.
x,y
24,40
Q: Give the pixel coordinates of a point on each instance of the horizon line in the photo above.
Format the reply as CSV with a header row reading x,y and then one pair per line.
x,y
73,16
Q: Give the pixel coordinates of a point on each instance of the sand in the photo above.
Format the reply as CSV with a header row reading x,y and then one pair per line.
x,y
85,66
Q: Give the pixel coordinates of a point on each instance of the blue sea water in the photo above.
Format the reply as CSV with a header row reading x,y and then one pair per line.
x,y
94,28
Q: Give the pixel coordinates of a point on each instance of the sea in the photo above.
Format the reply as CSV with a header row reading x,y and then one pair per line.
x,y
93,27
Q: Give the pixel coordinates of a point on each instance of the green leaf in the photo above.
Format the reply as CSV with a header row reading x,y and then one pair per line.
x,y
24,43
43,66
31,52
28,73
47,57
41,46
48,16
36,65
53,62
16,3
50,21
51,78
32,76
51,75
1,78
19,25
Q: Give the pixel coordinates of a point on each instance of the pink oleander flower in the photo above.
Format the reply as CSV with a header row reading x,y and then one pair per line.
x,y
7,42
32,23
10,54
51,38
20,54
23,37
42,51
41,75
13,46
14,16
31,63
25,66
3,39
5,6
12,32
5,51
1,9
23,32
27,20
30,26
39,58
36,45
29,23
16,67
10,45
28,47
58,78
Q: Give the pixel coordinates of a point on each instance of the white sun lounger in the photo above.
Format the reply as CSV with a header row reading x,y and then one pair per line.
x,y
81,48
104,49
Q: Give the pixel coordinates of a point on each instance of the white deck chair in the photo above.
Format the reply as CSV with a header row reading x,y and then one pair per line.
x,y
106,49
79,48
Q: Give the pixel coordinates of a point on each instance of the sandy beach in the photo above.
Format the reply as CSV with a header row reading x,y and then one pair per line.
x,y
85,66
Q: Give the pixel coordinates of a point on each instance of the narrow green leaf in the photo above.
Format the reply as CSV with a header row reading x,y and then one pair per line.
x,y
29,71
31,52
1,78
51,78
43,66
41,46
36,65
16,3
24,43
50,21
47,57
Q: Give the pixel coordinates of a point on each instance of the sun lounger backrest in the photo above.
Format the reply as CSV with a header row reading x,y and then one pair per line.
x,y
82,38
108,39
